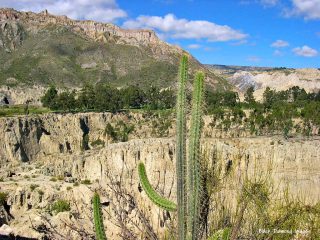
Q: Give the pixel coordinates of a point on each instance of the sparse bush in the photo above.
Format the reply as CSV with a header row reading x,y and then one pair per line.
x,y
119,133
40,192
60,206
53,179
97,142
3,198
86,182
33,187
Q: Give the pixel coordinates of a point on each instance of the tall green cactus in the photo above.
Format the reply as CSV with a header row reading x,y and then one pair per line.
x,y
194,175
188,188
97,217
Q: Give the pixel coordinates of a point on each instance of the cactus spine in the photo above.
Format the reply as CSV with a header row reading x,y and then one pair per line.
x,y
97,217
188,189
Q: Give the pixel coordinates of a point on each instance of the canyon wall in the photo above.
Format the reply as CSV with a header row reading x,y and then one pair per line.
x,y
36,150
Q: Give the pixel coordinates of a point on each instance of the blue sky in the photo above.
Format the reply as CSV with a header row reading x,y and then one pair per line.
x,y
232,32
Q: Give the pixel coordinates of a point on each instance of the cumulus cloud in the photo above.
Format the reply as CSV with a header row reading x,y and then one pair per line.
x,y
309,9
279,44
99,10
305,51
172,27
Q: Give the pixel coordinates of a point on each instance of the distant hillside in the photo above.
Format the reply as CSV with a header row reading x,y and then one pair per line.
x,y
242,77
43,49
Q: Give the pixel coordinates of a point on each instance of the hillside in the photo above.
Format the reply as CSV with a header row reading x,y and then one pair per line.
x,y
261,77
43,49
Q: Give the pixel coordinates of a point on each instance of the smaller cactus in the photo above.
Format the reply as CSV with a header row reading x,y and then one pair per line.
x,y
98,219
152,194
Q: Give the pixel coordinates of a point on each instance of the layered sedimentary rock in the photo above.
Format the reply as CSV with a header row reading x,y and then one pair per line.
x,y
47,152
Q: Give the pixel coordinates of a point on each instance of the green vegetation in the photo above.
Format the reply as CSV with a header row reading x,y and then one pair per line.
x,y
152,194
275,115
119,133
97,142
103,97
86,182
60,206
188,171
3,198
9,111
33,187
98,218
40,192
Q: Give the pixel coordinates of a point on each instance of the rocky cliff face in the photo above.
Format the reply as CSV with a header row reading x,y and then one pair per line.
x,y
48,152
94,30
276,78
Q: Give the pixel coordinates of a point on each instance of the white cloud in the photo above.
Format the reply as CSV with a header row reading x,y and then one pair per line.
x,y
309,9
279,44
305,51
173,27
99,10
194,46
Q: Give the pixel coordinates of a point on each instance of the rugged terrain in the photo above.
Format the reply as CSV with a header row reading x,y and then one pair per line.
x,y
261,77
42,157
40,49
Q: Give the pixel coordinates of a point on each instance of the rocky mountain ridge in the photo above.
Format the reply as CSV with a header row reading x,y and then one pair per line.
x,y
94,30
41,49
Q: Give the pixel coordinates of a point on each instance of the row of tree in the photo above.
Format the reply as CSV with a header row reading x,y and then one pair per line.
x,y
106,98
275,113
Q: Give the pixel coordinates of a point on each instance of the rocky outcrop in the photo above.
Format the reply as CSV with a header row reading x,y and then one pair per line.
x,y
102,32
309,79
11,35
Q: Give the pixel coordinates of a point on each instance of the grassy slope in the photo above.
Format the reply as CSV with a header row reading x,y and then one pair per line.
x,y
55,56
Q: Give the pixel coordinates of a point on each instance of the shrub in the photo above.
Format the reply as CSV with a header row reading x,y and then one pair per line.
x,y
60,206
86,182
3,198
33,186
97,142
40,192
53,179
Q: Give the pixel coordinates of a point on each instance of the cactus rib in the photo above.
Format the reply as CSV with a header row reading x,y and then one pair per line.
x,y
181,148
152,194
194,180
98,220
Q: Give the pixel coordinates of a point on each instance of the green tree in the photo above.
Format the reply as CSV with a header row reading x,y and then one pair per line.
x,y
268,97
66,101
49,98
248,96
133,97
86,98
